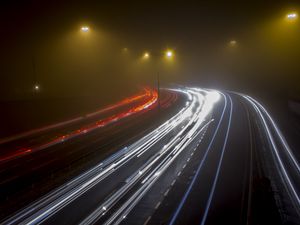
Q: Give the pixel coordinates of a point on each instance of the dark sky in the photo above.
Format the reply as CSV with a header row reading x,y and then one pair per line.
x,y
195,29
163,20
146,16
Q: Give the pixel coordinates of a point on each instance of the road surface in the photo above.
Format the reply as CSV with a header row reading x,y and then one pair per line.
x,y
212,157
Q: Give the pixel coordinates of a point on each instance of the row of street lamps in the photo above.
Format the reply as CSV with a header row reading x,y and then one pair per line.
x,y
291,17
169,54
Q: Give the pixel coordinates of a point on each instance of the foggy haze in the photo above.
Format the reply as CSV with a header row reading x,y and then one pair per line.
x,y
70,63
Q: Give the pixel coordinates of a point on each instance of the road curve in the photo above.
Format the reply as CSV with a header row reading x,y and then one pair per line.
x,y
219,158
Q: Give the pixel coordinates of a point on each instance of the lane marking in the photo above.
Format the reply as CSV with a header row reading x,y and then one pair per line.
x,y
157,205
174,181
219,167
147,220
167,192
183,200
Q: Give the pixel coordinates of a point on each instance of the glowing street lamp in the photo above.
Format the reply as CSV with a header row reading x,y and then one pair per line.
x,y
36,87
169,54
85,29
146,55
233,43
292,16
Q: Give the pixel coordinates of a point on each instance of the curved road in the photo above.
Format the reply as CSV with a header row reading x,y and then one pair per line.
x,y
212,157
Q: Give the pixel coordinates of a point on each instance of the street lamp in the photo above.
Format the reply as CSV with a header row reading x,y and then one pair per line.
x,y
85,29
233,43
169,54
292,16
146,55
36,87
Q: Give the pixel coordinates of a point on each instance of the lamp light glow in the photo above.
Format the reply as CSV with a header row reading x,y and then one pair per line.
x,y
85,29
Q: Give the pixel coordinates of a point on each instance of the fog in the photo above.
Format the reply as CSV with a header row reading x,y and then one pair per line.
x,y
42,44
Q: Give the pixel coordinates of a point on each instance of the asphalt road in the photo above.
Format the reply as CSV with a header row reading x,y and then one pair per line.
x,y
26,178
212,158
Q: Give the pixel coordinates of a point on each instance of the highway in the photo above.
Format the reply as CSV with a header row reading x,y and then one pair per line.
x,y
30,175
204,157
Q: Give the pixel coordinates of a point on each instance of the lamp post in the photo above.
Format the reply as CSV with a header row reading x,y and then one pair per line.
x,y
168,55
36,87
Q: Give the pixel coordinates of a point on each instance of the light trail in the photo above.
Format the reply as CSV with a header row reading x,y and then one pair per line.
x,y
157,152
166,156
191,120
61,197
279,134
77,119
279,161
187,193
211,194
151,99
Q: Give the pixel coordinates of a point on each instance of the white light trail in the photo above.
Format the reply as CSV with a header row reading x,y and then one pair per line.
x,y
58,199
264,115
166,156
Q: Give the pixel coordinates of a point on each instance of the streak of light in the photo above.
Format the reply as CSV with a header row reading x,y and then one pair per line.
x,y
59,198
151,98
280,162
191,118
57,125
211,194
183,200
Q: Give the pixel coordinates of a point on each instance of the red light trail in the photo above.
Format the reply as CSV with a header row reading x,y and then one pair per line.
x,y
149,95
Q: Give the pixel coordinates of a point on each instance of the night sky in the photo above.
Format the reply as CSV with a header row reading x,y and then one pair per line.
x,y
45,33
